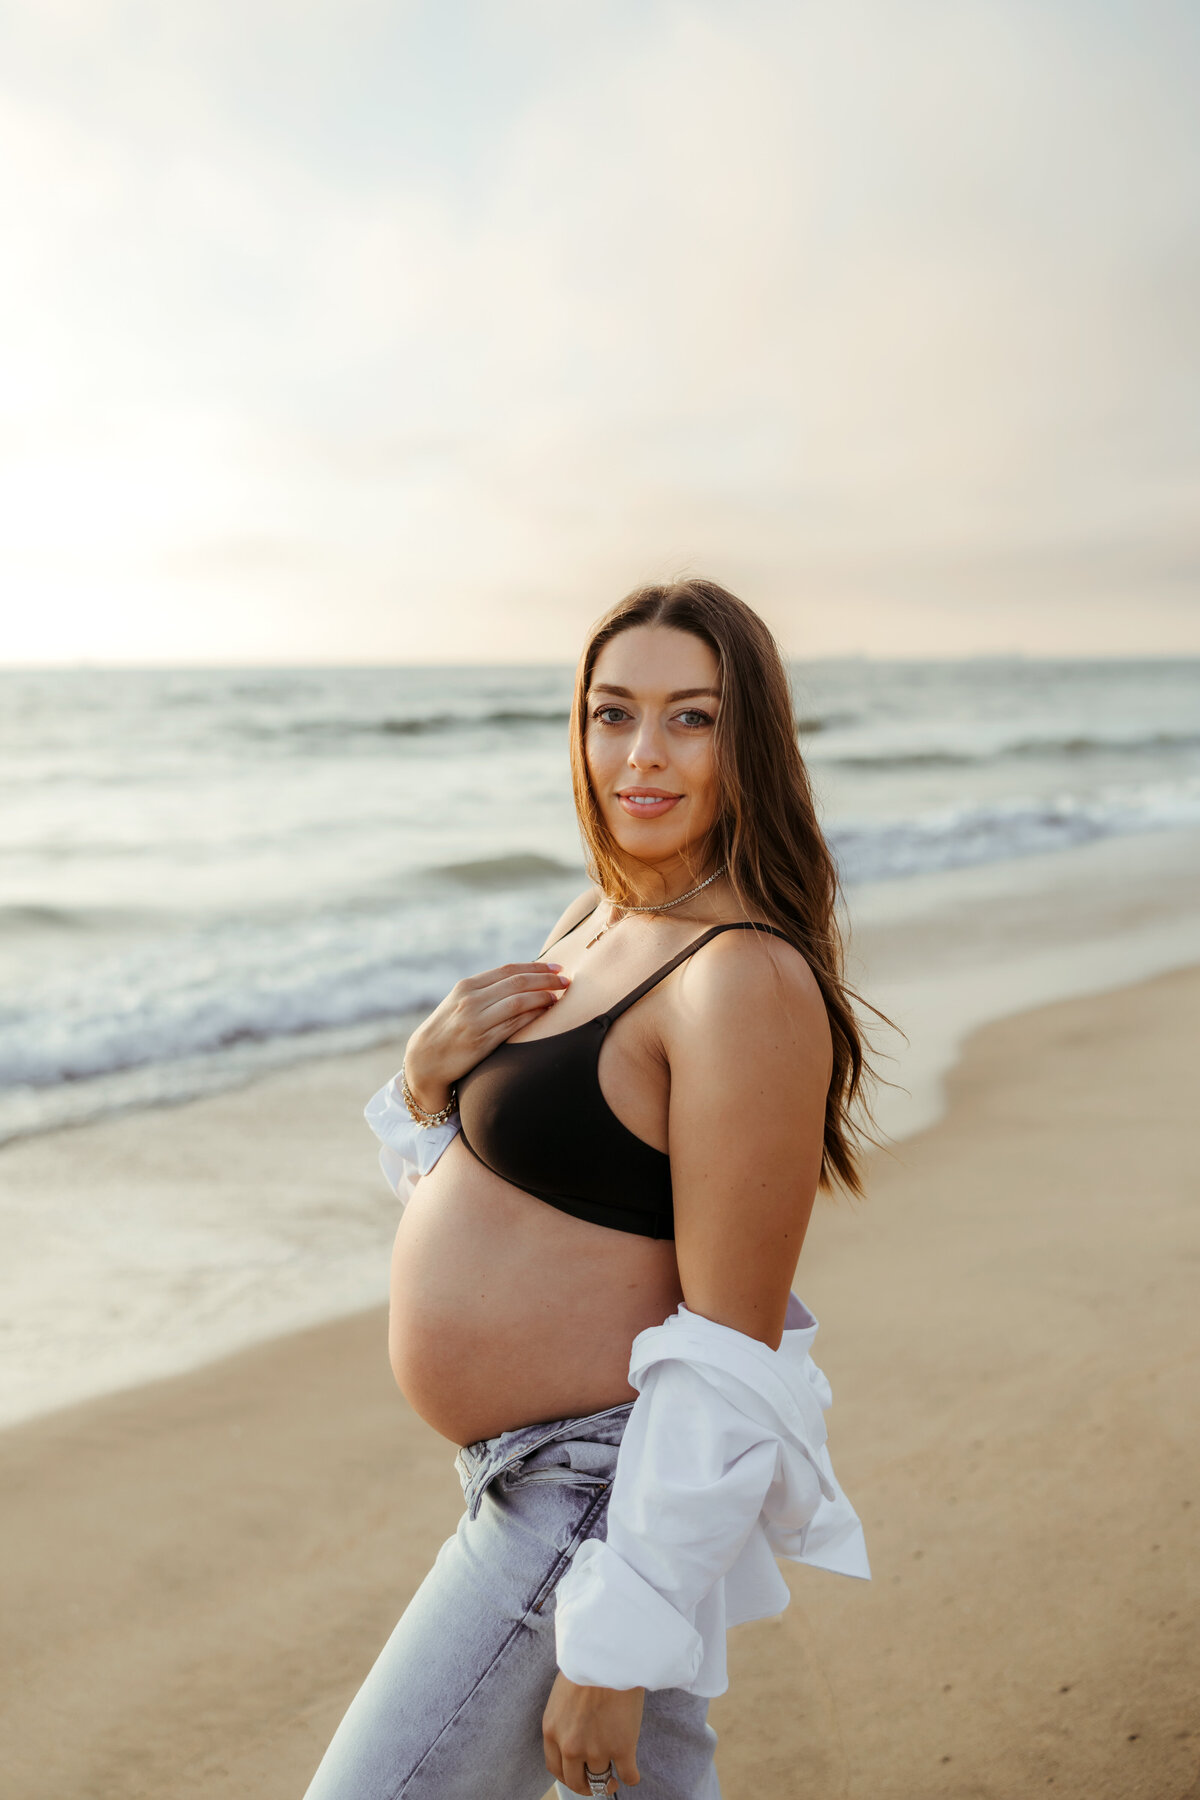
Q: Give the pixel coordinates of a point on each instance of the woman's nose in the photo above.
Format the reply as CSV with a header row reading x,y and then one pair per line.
x,y
646,751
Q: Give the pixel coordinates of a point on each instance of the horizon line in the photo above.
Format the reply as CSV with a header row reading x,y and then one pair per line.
x,y
89,665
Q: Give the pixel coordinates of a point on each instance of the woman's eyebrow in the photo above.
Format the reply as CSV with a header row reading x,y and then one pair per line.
x,y
605,687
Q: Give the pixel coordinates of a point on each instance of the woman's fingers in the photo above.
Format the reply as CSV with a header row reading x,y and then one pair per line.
x,y
548,981
625,1766
575,1770
573,1776
490,1002
503,1021
507,1027
508,972
534,1002
554,1765
507,1006
479,1013
592,1728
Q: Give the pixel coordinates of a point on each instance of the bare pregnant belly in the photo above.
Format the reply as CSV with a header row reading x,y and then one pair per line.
x,y
507,1312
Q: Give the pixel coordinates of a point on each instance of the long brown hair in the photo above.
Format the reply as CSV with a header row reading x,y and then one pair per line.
x,y
766,832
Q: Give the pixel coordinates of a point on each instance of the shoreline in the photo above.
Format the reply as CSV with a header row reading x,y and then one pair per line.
x,y
152,1242
946,955
1024,919
201,1568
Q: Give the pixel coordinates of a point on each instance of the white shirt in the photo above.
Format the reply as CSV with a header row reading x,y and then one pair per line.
x,y
723,1466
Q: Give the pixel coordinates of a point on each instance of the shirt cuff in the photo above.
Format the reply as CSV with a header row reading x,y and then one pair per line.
x,y
612,1629
402,1138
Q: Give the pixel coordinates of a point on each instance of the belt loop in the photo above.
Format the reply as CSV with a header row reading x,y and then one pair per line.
x,y
471,1468
475,1492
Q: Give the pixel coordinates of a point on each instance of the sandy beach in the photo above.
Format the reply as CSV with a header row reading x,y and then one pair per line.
x,y
199,1570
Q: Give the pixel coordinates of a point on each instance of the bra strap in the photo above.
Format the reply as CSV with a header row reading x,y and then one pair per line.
x,y
652,981
573,926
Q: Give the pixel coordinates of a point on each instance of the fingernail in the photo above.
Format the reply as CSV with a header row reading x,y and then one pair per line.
x,y
554,966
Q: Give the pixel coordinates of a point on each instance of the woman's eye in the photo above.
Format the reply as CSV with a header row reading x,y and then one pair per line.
x,y
609,715
693,717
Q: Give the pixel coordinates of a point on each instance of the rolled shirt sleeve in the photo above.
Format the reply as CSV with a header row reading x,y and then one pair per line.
x,y
722,1464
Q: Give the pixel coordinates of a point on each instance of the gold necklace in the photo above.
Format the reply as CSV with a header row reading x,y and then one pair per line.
x,y
663,906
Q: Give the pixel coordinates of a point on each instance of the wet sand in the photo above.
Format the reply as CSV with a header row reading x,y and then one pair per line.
x,y
199,1571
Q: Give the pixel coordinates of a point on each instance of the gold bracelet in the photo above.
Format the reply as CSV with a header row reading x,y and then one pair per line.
x,y
417,1112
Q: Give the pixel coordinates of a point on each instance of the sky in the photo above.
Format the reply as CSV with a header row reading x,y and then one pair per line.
x,y
361,331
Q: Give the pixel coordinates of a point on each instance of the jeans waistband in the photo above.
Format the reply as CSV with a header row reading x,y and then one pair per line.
x,y
478,1465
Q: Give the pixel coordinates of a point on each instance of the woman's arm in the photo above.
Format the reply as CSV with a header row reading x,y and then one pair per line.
x,y
749,1052
750,1055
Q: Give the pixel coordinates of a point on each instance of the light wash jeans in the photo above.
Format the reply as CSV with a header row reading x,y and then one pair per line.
x,y
452,1710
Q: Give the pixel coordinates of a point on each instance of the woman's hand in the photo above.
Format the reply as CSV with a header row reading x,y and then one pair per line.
x,y
478,1013
592,1725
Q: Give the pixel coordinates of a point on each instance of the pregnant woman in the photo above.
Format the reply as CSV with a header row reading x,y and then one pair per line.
x,y
610,1160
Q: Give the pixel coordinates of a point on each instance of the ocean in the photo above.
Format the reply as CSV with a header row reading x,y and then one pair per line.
x,y
204,873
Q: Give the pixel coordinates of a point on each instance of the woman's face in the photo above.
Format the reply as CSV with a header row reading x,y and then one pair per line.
x,y
651,710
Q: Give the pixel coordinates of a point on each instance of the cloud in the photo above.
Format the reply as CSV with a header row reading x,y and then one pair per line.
x,y
399,331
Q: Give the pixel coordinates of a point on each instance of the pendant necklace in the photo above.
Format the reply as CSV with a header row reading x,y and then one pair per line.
x,y
663,906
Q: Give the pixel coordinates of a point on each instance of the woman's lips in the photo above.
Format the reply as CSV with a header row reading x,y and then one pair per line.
x,y
647,803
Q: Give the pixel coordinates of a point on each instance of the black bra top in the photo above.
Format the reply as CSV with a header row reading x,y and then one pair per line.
x,y
534,1114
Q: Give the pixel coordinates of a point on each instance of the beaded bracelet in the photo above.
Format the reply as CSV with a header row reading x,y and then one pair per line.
x,y
417,1112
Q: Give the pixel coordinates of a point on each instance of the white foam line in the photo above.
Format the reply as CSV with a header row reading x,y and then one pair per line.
x,y
939,1014
952,954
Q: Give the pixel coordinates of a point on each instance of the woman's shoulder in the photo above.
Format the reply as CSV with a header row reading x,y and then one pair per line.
x,y
748,1020
572,915
752,970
